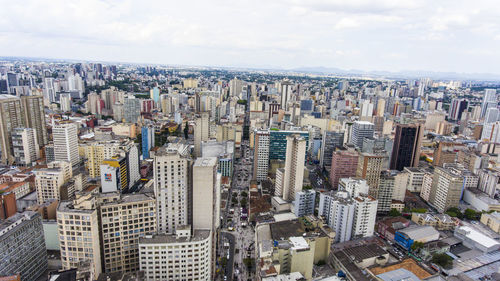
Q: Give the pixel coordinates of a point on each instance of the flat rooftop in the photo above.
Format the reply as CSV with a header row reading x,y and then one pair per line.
x,y
362,252
198,235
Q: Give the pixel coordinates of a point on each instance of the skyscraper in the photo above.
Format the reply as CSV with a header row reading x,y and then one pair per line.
x,y
365,212
10,118
489,100
369,168
201,132
131,109
22,246
361,130
25,146
330,141
155,94
66,143
406,148
338,209
171,188
457,107
344,165
148,140
286,92
34,117
294,167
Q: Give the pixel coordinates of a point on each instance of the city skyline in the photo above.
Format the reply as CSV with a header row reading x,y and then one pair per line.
x,y
367,36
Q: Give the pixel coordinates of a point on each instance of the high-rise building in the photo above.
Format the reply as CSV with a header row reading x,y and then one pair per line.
x,y
79,239
261,155
184,255
344,165
34,117
457,107
120,162
425,192
385,191
110,178
365,212
489,100
304,203
206,190
448,185
278,142
338,209
171,186
415,177
406,148
66,143
22,246
25,146
123,220
361,130
369,168
286,92
354,186
148,140
49,181
65,102
201,132
155,94
294,167
131,109
49,90
10,118
330,141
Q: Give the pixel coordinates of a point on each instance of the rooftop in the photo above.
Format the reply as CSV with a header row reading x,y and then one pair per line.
x,y
205,162
419,232
362,252
198,235
408,264
477,237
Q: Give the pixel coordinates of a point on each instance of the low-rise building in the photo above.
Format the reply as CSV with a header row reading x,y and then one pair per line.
x,y
439,221
492,221
475,239
406,237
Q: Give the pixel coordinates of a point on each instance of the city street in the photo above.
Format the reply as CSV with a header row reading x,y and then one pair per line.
x,y
237,231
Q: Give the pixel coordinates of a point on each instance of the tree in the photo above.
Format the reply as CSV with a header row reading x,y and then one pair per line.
x,y
244,194
417,245
443,260
307,187
471,214
394,213
419,210
454,212
249,262
243,202
186,130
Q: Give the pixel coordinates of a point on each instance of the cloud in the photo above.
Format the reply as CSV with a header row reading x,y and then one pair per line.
x,y
362,34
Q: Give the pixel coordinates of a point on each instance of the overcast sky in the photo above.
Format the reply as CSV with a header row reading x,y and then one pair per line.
x,y
394,35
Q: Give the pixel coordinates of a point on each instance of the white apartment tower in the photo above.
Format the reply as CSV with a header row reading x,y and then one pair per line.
x,y
66,143
294,166
338,210
365,211
206,191
354,186
171,188
25,146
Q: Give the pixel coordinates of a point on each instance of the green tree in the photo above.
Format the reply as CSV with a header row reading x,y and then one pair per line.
x,y
419,210
249,262
417,246
471,214
443,260
394,213
307,187
454,212
243,202
186,130
244,194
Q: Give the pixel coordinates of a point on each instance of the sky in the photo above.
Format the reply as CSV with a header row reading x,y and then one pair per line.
x,y
390,35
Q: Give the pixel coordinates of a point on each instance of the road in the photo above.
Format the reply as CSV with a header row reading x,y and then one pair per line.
x,y
226,236
239,237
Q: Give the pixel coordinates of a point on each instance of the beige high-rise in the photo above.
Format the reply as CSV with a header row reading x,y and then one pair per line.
x,y
78,227
123,219
201,132
369,168
10,118
294,166
171,187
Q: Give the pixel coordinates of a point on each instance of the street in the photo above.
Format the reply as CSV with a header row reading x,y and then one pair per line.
x,y
237,231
